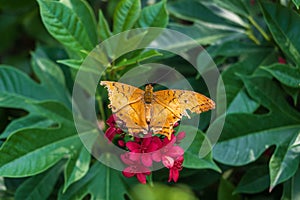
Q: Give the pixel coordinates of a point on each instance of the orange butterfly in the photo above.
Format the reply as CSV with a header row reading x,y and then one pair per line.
x,y
146,111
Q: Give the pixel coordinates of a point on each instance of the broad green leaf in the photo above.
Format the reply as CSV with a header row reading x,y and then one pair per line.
x,y
66,25
77,167
291,188
225,191
39,186
103,27
293,92
126,14
286,74
282,23
191,155
86,15
154,16
18,88
255,180
238,101
30,121
75,64
17,84
233,48
236,6
246,136
193,10
101,182
285,161
297,3
205,34
35,154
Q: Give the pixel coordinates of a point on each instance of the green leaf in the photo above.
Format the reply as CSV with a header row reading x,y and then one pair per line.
x,y
51,87
191,155
246,136
154,16
101,182
26,148
30,121
18,89
236,6
77,167
291,188
285,161
103,27
225,191
39,186
86,15
289,76
233,48
192,10
297,3
293,92
238,101
282,23
255,180
71,24
205,34
126,14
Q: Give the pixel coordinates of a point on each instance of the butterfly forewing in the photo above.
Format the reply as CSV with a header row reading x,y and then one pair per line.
x,y
161,111
182,100
127,104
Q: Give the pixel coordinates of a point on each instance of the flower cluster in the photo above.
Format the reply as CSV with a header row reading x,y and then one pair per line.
x,y
143,153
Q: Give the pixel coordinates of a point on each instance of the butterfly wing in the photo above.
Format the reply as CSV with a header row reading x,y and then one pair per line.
x,y
170,105
127,104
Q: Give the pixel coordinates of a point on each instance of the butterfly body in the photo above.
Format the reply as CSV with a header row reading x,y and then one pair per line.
x,y
148,111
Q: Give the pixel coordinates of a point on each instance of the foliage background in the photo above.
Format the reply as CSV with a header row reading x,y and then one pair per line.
x,y
255,44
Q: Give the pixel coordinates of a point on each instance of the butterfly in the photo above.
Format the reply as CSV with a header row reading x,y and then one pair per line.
x,y
145,111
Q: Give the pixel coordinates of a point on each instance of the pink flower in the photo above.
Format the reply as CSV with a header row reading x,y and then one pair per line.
x,y
180,137
112,129
168,152
135,168
175,169
142,148
111,120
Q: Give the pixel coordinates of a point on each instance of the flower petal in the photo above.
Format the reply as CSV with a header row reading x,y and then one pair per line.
x,y
175,151
111,121
125,159
141,177
133,146
110,133
180,136
156,156
173,174
127,172
146,159
168,161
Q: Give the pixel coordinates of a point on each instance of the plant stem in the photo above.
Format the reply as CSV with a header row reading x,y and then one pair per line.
x,y
150,181
100,105
256,25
